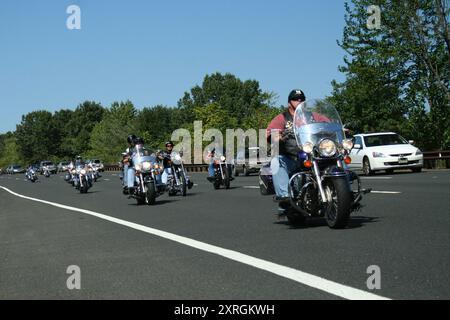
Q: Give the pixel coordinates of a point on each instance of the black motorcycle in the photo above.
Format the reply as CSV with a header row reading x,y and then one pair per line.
x,y
31,175
147,178
322,186
177,181
222,172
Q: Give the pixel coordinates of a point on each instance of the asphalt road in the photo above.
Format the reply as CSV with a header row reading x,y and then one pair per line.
x,y
405,232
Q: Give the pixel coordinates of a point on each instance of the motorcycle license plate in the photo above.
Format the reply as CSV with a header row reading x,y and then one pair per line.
x,y
402,161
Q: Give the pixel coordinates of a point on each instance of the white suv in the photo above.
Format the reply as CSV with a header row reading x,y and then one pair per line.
x,y
384,151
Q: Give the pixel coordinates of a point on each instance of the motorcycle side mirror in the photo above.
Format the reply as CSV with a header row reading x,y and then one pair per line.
x,y
411,142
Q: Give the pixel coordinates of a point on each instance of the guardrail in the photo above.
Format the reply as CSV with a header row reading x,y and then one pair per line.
x,y
431,160
436,160
188,167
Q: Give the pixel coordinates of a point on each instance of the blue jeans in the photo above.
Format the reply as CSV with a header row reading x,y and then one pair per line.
x,y
211,169
283,167
125,175
131,178
165,174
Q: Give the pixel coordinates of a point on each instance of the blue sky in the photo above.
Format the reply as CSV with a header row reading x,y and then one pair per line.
x,y
151,52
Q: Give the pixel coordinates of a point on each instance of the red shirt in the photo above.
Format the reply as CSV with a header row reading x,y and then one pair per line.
x,y
278,123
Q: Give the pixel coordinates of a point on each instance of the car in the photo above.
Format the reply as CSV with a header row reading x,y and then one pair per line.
x,y
63,166
15,168
248,161
96,163
50,166
386,151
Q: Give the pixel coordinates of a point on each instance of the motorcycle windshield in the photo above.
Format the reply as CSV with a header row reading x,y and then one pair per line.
x,y
142,154
316,120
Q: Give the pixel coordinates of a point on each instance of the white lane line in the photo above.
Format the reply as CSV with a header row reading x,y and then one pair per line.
x,y
250,187
106,179
304,278
386,192
376,178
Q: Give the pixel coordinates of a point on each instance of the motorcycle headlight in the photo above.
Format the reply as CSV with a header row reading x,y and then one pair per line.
x,y
138,167
347,144
74,171
222,158
308,147
327,148
83,171
146,166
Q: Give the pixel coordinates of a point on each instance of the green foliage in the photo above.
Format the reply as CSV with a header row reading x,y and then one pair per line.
x,y
36,136
80,126
398,77
157,124
9,151
108,138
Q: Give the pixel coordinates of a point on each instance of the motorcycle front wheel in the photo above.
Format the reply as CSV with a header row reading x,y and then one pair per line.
x,y
183,184
338,208
150,194
227,179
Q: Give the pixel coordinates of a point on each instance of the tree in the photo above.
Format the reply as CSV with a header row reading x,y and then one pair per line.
x,y
36,136
157,124
399,73
108,139
80,126
237,99
9,153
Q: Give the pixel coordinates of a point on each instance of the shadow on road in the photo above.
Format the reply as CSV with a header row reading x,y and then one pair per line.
x,y
157,203
355,222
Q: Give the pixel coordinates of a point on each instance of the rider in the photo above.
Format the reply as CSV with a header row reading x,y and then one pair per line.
x,y
138,142
165,157
211,155
79,162
280,131
126,161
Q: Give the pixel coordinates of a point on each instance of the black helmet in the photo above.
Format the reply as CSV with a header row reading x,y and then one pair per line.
x,y
169,143
139,141
131,138
296,95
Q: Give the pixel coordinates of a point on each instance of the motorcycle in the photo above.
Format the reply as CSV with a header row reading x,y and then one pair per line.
x,y
81,179
177,180
222,172
323,186
46,172
93,173
31,175
147,186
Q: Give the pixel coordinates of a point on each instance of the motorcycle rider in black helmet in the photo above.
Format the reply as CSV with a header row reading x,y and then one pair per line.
x,y
126,161
280,131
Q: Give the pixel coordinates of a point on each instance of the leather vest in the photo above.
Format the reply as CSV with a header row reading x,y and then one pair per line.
x,y
289,146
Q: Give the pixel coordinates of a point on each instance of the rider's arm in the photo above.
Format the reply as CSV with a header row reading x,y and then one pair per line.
x,y
275,129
